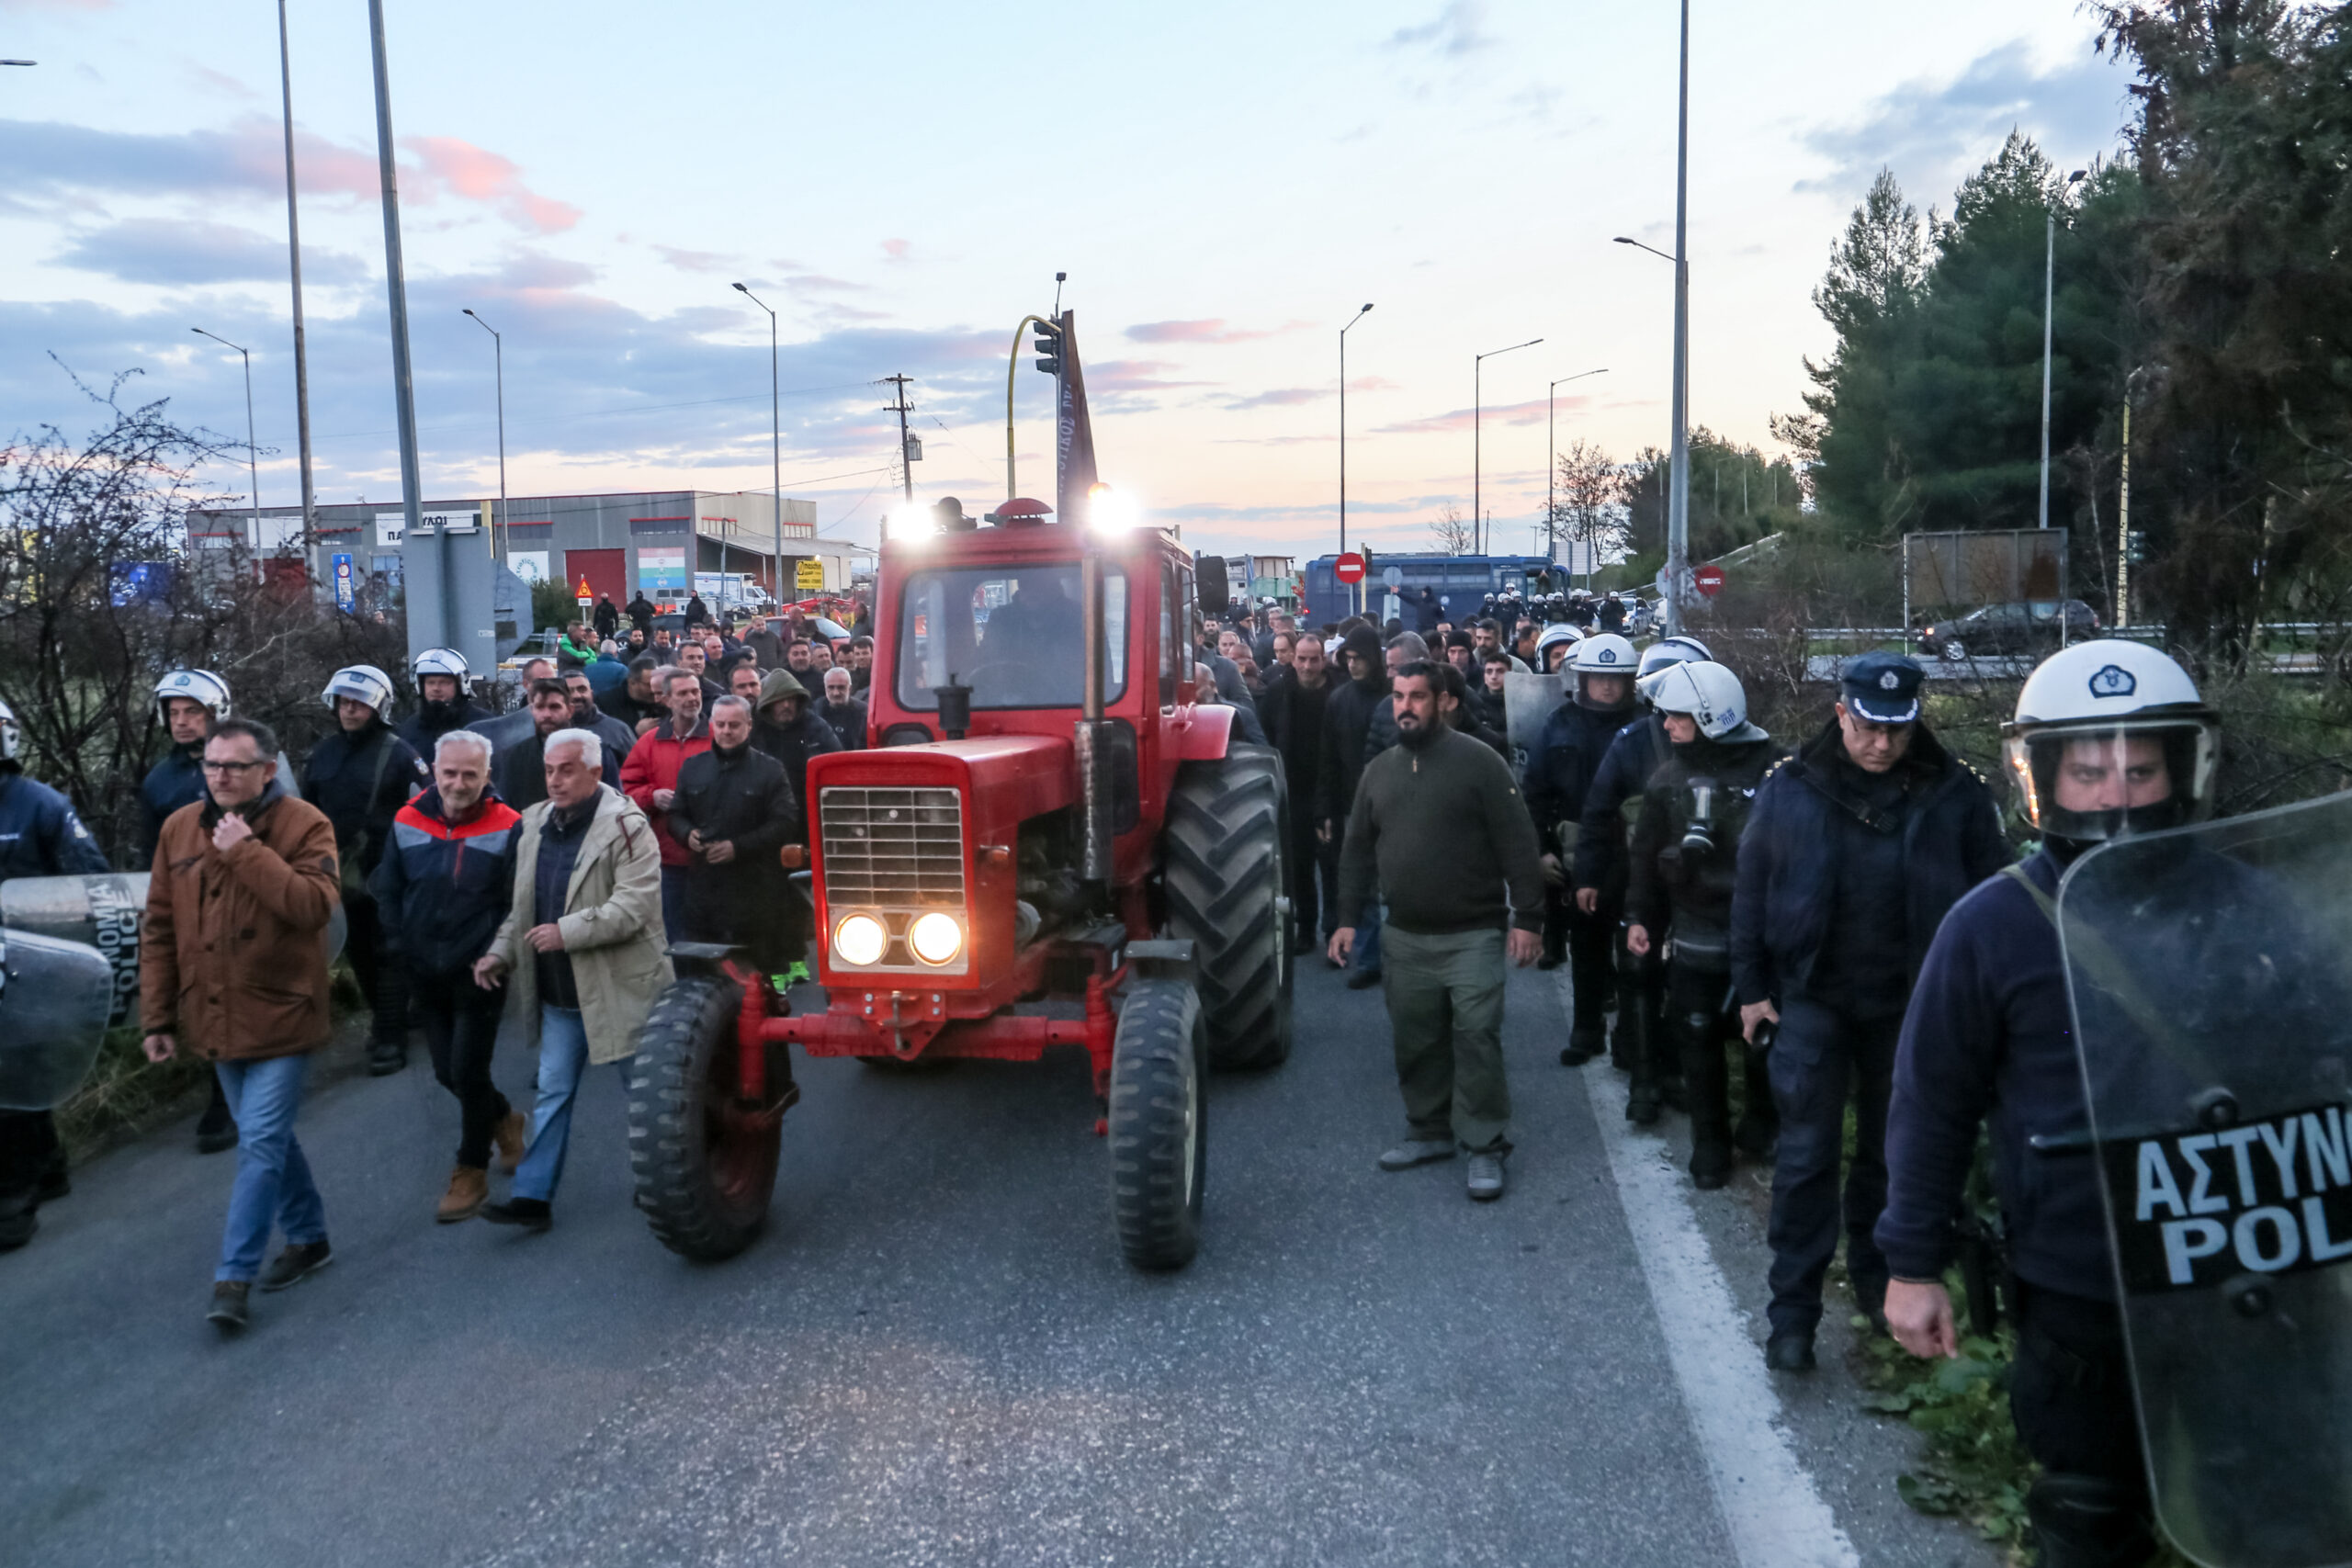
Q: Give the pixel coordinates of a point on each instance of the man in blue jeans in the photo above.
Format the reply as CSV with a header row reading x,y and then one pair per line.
x,y
583,945
233,961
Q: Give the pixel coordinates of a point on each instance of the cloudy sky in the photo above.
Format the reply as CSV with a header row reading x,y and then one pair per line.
x,y
1223,183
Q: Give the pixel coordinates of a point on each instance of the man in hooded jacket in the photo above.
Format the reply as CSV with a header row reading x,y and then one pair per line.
x,y
789,731
1347,719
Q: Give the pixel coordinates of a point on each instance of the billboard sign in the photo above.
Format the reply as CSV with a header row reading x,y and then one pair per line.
x,y
531,566
808,576
661,567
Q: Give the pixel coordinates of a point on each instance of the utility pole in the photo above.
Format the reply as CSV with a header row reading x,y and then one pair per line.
x,y
403,380
906,464
294,254
2049,300
1677,505
498,539
775,443
1343,429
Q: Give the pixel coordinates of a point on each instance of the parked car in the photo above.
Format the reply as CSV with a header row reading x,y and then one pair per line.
x,y
2028,627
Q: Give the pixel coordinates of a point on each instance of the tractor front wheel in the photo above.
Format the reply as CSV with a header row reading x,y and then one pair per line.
x,y
1159,1123
1228,894
704,1162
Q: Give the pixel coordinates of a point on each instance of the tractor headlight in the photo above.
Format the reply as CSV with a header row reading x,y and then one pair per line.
x,y
936,938
860,939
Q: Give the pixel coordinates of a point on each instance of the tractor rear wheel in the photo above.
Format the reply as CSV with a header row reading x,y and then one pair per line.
x,y
1159,1123
704,1164
1226,840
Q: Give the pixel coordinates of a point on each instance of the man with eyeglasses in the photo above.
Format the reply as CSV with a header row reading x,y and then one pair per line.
x,y
233,967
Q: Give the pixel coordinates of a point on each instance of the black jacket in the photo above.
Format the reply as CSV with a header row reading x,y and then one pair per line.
x,y
1612,802
519,775
794,744
1562,762
847,722
176,781
641,615
39,833
1295,718
361,780
747,799
608,619
443,887
424,728
1676,886
1782,916
1347,716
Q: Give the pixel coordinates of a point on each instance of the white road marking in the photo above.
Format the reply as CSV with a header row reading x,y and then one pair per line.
x,y
1774,1514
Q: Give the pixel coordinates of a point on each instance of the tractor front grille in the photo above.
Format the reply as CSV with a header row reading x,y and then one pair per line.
x,y
892,848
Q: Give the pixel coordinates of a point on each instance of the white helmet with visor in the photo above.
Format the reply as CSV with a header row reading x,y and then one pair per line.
x,y
2112,738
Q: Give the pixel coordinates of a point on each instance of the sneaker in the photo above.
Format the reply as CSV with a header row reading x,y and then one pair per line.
x,y
511,1134
1364,979
1486,1177
296,1263
1585,1043
229,1309
1417,1151
468,1191
1790,1352
384,1059
531,1213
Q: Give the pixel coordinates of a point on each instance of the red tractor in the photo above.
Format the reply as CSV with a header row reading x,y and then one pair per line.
x,y
1047,816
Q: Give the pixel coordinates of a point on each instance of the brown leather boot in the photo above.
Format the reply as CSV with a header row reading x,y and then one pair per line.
x,y
468,1191
514,1130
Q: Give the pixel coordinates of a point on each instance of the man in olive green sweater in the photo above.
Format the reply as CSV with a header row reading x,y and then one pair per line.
x,y
1440,825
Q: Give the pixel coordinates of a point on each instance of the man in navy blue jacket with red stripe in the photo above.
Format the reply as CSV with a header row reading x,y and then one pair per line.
x,y
445,882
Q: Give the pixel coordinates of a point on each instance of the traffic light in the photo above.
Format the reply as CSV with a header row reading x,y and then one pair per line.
x,y
1049,346
2135,547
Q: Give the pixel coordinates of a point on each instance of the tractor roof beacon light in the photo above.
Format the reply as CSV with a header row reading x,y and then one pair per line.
x,y
1021,512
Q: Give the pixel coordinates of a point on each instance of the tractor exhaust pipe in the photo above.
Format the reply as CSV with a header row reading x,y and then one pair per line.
x,y
1091,741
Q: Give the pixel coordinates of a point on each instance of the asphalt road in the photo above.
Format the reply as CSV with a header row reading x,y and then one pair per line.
x,y
936,1357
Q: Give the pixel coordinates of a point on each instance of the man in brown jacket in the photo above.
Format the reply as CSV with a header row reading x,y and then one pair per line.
x,y
233,959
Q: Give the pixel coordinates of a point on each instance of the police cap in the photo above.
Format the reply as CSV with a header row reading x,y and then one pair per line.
x,y
1884,688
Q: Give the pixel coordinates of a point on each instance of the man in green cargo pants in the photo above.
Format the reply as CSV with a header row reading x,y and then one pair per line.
x,y
1439,825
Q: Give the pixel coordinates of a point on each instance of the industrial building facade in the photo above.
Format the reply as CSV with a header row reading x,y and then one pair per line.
x,y
651,542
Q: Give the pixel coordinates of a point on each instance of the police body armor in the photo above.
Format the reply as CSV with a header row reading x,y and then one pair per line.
x,y
1527,701
70,973
2209,971
1698,856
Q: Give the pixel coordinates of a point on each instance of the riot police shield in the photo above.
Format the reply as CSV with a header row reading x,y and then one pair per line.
x,y
54,997
1527,701
2209,971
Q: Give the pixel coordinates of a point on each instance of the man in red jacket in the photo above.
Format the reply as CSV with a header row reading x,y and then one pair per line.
x,y
649,777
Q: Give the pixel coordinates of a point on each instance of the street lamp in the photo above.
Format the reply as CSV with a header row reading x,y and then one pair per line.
x,y
1678,506
294,268
253,468
1552,458
499,539
776,450
1477,411
1343,429
2049,298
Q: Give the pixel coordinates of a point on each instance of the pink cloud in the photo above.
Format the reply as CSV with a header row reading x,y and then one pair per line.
x,y
1281,397
897,249
476,173
1212,330
691,261
1460,419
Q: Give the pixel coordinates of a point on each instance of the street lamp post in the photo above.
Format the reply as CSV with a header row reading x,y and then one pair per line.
x,y
294,261
1678,505
775,448
1343,431
252,466
499,538
1477,411
1552,459
2050,297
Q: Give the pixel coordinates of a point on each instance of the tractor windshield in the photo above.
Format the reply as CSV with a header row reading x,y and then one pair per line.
x,y
1010,633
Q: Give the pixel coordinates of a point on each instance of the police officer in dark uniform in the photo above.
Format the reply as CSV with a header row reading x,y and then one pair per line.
x,y
1683,858
360,776
1641,1044
2111,737
1856,848
40,836
1560,770
444,699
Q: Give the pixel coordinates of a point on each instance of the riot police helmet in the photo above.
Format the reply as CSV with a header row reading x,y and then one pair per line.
x,y
201,686
442,662
1710,694
1558,635
363,683
1672,650
2121,727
